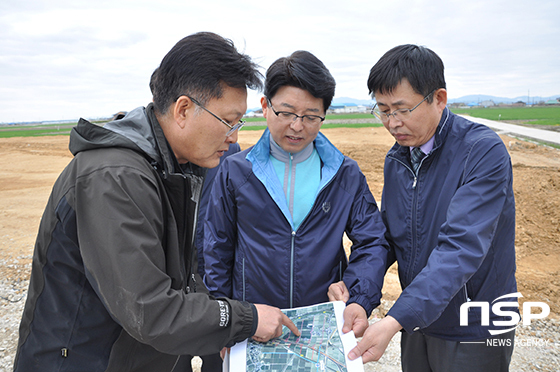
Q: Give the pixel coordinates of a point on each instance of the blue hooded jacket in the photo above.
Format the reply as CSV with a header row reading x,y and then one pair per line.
x,y
252,250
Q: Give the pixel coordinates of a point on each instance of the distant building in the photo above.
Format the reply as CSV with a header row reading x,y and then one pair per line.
x,y
347,108
487,103
254,113
457,105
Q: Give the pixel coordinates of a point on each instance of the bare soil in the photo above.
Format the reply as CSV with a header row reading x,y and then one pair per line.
x,y
30,167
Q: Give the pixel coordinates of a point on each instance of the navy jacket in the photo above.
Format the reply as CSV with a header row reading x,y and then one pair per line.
x,y
252,251
452,229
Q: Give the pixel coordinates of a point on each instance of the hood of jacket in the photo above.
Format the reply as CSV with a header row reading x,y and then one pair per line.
x,y
139,130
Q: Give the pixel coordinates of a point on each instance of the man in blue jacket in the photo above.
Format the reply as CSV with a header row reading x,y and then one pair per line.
x,y
449,209
279,210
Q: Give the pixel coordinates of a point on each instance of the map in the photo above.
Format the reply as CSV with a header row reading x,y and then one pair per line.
x,y
321,346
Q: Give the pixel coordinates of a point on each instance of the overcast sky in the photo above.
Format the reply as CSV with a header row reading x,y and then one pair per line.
x,y
65,59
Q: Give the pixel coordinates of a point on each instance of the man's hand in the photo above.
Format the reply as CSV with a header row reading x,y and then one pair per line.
x,y
270,324
338,292
355,319
375,340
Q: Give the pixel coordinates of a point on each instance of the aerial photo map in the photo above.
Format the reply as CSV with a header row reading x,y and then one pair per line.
x,y
319,348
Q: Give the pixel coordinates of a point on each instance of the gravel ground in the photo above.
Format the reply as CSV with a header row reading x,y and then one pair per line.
x,y
537,346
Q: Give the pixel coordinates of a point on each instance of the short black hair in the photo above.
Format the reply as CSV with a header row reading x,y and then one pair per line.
x,y
419,65
200,65
301,70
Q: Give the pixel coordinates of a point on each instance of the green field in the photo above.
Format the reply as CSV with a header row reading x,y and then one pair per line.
x,y
64,129
27,130
523,115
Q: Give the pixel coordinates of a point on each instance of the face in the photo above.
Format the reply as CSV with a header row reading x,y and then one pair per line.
x,y
421,124
294,136
197,136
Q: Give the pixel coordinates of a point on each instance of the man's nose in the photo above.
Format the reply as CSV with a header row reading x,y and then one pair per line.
x,y
297,124
393,122
232,138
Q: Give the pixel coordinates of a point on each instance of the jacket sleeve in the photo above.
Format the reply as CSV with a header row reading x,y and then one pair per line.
x,y
368,259
120,231
464,239
220,236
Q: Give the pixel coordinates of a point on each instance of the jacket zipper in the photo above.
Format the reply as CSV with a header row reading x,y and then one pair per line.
x,y
189,274
292,244
292,270
409,271
292,253
186,271
193,235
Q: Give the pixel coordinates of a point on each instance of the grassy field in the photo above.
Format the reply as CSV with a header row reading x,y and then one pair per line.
x,y
255,124
524,115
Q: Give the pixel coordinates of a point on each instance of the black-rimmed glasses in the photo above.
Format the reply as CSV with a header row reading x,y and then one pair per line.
x,y
289,117
400,114
232,128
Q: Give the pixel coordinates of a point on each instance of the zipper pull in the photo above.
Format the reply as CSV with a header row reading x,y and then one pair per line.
x,y
414,183
194,282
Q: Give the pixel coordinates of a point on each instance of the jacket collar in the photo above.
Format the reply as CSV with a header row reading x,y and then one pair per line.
x,y
280,154
331,157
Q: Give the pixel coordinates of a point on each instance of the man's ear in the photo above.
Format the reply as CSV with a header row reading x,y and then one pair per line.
x,y
440,97
182,109
264,105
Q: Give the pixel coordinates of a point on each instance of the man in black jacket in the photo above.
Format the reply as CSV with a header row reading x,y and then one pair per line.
x,y
113,286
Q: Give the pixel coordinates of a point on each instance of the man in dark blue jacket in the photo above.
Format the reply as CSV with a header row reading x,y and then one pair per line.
x,y
449,209
279,210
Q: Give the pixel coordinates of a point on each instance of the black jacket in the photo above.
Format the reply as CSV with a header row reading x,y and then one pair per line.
x,y
110,288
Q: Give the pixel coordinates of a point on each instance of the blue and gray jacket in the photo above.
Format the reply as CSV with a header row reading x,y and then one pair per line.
x,y
253,251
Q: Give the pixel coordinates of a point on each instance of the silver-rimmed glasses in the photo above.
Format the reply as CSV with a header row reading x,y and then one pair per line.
x,y
232,128
400,114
